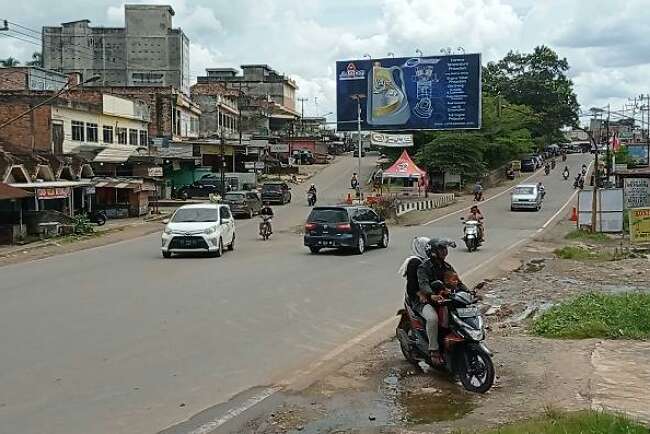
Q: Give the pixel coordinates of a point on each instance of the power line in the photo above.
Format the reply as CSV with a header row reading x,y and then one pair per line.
x,y
20,39
24,27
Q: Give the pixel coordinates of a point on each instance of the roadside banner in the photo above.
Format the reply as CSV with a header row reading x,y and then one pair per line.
x,y
637,192
391,140
609,214
640,225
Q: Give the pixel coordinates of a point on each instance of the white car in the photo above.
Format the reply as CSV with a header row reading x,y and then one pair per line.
x,y
526,196
201,228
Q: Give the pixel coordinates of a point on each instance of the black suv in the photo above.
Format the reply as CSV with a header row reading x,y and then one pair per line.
x,y
276,192
353,227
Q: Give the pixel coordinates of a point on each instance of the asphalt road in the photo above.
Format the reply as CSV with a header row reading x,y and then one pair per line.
x,y
119,340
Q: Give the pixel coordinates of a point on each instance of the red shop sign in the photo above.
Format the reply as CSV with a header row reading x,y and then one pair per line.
x,y
53,193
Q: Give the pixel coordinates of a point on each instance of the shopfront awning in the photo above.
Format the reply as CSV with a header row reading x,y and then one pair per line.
x,y
125,184
9,192
114,155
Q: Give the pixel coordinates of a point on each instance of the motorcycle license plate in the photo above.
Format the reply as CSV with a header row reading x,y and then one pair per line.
x,y
467,312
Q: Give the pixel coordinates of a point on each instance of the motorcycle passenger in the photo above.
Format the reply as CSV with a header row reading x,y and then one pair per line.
x,y
478,191
431,276
266,211
475,214
409,268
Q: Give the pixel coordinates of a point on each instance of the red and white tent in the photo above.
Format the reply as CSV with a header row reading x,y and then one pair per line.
x,y
404,167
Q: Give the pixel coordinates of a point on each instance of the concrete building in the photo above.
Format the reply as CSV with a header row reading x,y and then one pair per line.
x,y
146,52
267,99
31,78
220,110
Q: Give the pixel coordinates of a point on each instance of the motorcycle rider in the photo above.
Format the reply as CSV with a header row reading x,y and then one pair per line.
x,y
266,211
541,189
354,181
566,172
547,169
431,277
478,191
475,214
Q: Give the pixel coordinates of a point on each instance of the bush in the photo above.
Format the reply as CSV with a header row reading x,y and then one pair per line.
x,y
582,422
82,225
385,206
597,316
586,236
582,254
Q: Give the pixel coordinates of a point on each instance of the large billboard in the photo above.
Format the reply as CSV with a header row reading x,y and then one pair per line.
x,y
417,93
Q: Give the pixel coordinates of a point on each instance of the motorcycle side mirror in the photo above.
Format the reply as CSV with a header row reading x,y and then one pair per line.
x,y
164,221
462,219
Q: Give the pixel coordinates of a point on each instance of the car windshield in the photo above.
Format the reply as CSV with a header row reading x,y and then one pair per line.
x,y
272,187
234,196
524,190
187,215
328,216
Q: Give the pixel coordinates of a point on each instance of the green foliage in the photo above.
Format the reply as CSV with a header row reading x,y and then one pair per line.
x,y
597,316
579,234
9,62
622,156
37,59
82,225
537,80
581,422
578,253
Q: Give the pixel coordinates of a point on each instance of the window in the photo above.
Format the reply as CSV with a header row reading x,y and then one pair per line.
x,y
186,215
225,212
133,137
144,138
91,132
107,134
78,131
121,136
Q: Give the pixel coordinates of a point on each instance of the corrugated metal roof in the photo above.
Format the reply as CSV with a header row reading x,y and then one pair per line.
x,y
114,155
9,192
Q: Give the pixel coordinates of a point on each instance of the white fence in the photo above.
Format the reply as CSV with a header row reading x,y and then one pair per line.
x,y
434,201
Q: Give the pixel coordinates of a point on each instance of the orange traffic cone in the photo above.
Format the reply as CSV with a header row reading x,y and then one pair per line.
x,y
574,215
349,199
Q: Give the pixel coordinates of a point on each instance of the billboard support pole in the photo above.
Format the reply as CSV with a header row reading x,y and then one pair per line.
x,y
358,97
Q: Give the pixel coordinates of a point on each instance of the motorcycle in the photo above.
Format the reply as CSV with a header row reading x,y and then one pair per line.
x,y
471,234
478,196
265,227
98,217
563,157
552,164
579,182
354,183
311,198
565,175
547,169
461,341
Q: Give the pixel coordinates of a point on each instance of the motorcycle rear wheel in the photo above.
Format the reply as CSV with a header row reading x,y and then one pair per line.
x,y
475,364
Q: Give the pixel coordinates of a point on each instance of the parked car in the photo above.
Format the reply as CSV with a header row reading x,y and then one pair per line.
x,y
526,196
197,189
276,192
539,161
354,227
199,228
528,164
232,182
243,203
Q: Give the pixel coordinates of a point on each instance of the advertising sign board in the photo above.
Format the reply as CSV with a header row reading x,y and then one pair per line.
x,y
637,192
638,155
417,93
640,225
53,192
279,148
392,140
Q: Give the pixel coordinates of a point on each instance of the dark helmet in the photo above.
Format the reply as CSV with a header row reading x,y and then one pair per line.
x,y
436,245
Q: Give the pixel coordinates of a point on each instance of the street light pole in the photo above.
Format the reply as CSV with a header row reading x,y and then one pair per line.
x,y
358,97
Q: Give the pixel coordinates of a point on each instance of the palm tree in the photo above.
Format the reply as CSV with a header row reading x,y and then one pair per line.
x,y
9,62
37,59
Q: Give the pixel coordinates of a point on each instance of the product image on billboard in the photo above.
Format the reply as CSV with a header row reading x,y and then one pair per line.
x,y
638,154
410,93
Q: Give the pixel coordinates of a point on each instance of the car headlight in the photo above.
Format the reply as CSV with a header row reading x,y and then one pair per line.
x,y
210,230
167,231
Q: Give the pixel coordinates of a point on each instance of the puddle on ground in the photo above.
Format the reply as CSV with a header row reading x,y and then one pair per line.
x,y
423,399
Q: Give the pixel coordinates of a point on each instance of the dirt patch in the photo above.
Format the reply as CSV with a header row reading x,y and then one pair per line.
x,y
71,244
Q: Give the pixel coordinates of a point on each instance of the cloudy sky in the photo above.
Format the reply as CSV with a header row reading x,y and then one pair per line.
x,y
607,43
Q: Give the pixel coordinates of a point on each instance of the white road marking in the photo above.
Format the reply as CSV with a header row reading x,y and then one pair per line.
x,y
234,412
483,201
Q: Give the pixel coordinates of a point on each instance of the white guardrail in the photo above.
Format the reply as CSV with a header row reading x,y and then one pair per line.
x,y
434,201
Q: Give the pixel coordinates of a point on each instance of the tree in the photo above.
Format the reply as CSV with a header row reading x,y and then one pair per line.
x,y
37,59
9,62
537,80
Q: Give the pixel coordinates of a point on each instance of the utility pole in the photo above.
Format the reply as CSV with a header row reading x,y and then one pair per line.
x,y
608,164
302,114
223,165
358,97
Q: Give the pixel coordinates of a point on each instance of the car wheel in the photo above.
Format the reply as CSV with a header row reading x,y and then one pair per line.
x,y
219,251
167,255
185,196
512,208
289,199
314,249
250,213
384,240
361,245
231,246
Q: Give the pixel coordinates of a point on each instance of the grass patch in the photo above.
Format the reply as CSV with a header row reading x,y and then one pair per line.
x,y
582,422
593,315
586,236
583,254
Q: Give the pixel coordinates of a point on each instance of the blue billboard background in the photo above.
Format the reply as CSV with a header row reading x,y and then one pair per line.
x,y
416,93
